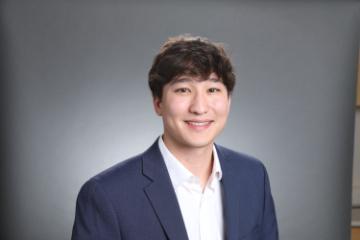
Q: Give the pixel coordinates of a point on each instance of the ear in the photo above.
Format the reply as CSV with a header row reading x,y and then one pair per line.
x,y
157,105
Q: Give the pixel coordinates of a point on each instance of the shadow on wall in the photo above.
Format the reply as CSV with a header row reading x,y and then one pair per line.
x,y
5,109
6,219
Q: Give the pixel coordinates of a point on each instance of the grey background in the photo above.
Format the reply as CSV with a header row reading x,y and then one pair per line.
x,y
75,101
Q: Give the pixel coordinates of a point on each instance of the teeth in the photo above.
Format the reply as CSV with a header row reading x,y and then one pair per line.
x,y
198,123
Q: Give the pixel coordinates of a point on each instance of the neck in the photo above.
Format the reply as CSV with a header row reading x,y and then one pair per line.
x,y
199,161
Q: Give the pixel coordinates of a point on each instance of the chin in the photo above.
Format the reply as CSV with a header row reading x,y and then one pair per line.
x,y
200,140
198,144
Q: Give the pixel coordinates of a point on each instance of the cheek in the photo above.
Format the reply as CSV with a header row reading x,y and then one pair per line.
x,y
221,106
176,107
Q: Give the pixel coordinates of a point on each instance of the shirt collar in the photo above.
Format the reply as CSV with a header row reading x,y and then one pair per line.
x,y
179,173
216,166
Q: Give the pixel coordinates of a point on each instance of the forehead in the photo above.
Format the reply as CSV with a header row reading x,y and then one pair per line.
x,y
191,78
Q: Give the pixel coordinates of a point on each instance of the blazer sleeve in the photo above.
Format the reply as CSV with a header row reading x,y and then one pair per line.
x,y
269,226
95,218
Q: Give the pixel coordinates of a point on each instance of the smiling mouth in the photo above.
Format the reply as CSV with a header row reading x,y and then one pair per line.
x,y
198,123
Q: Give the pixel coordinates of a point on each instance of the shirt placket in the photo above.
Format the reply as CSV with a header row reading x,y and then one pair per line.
x,y
206,210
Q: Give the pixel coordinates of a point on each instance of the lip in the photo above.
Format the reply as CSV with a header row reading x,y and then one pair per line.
x,y
199,124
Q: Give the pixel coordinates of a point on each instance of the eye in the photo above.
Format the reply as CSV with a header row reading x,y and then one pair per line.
x,y
214,90
182,90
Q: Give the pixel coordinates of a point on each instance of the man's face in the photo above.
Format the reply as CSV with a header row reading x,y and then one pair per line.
x,y
194,112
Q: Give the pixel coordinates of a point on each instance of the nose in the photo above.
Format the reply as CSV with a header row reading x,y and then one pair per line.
x,y
199,104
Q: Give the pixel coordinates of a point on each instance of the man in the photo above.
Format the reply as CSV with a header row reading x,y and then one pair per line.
x,y
184,186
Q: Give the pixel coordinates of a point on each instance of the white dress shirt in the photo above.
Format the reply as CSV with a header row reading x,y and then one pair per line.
x,y
202,211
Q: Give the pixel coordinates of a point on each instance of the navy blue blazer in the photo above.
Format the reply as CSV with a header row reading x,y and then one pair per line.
x,y
135,200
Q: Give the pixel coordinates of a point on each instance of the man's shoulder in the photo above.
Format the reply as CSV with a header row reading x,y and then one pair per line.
x,y
239,157
239,161
119,176
124,169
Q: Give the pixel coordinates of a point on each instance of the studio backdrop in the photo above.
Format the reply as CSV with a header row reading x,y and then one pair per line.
x,y
75,101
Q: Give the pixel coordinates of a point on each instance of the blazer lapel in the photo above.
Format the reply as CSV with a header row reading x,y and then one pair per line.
x,y
162,195
236,198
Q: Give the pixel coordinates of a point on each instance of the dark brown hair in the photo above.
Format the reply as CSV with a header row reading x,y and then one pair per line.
x,y
188,55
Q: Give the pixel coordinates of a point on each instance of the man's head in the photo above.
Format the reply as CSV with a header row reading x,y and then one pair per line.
x,y
188,55
191,81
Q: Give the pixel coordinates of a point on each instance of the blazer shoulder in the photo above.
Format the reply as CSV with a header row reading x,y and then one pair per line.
x,y
233,155
123,169
238,160
122,175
